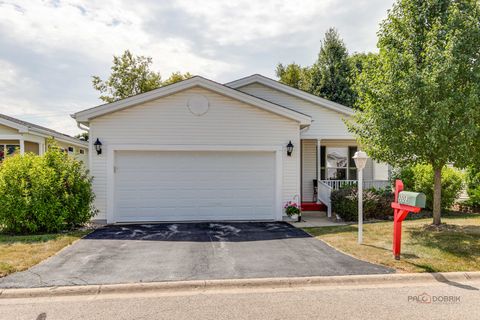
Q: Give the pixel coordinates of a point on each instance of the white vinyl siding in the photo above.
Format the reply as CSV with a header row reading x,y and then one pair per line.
x,y
7,130
309,169
75,153
380,171
326,123
167,121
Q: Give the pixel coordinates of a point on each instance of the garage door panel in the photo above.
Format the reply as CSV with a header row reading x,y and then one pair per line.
x,y
175,186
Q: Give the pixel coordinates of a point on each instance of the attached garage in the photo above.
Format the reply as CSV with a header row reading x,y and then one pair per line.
x,y
195,150
194,185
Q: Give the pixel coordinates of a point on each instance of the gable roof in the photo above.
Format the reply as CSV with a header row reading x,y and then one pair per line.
x,y
27,127
86,115
257,78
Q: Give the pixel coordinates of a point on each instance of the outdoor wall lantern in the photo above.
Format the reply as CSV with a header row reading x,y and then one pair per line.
x,y
289,149
98,146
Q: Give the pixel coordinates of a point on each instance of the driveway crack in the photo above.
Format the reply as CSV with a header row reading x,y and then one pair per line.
x,y
40,280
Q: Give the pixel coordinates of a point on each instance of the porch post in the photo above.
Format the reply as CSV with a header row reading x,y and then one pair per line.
x,y
22,146
41,149
319,159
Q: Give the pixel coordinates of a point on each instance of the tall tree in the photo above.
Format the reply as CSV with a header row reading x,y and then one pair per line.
x,y
420,100
131,75
82,136
294,75
358,62
331,73
176,77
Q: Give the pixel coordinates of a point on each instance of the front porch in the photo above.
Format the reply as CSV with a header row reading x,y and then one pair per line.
x,y
12,144
327,165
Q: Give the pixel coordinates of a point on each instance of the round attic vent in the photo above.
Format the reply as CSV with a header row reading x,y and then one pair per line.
x,y
198,105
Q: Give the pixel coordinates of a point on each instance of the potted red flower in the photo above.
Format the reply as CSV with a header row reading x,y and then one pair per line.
x,y
292,209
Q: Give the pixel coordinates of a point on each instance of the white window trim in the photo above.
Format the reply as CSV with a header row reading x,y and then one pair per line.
x,y
111,149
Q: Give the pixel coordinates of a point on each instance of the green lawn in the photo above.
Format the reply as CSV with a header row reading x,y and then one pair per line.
x,y
19,253
424,249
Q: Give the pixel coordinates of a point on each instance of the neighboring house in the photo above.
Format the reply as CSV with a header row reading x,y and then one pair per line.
x,y
200,150
17,136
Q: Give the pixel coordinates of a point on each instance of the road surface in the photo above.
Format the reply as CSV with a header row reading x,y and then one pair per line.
x,y
432,300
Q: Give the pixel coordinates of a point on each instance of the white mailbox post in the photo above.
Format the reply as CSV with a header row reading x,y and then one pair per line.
x,y
360,159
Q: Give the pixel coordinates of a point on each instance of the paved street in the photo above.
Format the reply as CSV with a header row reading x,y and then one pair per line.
x,y
452,300
190,251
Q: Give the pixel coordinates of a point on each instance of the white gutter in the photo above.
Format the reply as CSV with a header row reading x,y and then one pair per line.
x,y
79,125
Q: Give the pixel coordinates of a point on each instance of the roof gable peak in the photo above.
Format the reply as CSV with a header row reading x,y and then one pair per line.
x,y
86,115
274,84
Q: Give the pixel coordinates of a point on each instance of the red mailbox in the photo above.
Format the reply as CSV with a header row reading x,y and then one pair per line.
x,y
405,202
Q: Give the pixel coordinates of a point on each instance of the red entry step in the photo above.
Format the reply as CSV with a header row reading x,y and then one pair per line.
x,y
313,206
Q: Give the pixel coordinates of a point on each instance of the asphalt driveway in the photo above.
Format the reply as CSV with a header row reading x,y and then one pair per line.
x,y
190,251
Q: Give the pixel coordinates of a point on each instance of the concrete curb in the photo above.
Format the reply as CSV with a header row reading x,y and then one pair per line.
x,y
265,283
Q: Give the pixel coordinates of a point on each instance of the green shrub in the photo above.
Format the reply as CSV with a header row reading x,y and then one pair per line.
x,y
473,187
376,203
46,193
419,178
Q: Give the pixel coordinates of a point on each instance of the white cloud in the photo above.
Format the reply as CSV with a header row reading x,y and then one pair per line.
x,y
239,22
18,94
98,29
50,49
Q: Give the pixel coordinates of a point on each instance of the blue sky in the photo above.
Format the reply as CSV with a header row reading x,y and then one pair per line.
x,y
50,49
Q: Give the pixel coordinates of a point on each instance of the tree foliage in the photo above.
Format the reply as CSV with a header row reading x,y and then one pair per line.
x,y
330,77
131,75
294,75
331,73
420,98
177,77
420,177
358,62
82,136
473,186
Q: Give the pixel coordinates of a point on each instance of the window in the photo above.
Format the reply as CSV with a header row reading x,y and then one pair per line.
x,y
8,150
352,169
71,149
82,151
337,163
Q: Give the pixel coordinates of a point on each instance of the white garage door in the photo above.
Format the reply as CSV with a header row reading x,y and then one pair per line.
x,y
185,186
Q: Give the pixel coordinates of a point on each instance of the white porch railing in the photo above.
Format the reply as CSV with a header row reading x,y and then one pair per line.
x,y
367,184
324,195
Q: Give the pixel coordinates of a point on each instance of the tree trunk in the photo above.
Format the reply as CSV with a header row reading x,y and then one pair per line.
x,y
437,196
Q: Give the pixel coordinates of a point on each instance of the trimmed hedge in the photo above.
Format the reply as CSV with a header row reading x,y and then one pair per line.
x,y
48,193
376,203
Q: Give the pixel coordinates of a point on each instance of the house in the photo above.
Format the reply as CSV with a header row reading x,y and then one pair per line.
x,y
201,150
22,137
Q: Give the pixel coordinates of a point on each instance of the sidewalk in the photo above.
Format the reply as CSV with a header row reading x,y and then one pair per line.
x,y
312,219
